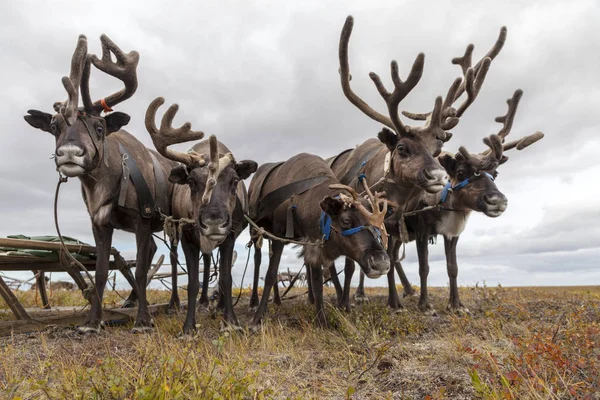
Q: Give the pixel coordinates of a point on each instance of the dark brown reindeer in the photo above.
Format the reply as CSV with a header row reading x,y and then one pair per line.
x,y
90,146
323,214
402,163
472,188
210,191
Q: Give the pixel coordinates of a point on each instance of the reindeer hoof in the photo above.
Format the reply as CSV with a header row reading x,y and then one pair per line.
x,y
89,329
400,310
430,312
254,328
229,327
143,327
129,304
361,299
460,310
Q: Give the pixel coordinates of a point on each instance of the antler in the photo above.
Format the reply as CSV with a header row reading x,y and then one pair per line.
x,y
377,216
393,99
167,135
69,108
471,82
124,69
488,159
524,142
507,120
215,167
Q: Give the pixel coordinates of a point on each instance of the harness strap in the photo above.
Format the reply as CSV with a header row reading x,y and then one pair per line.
x,y
289,222
160,189
275,198
325,223
145,199
351,174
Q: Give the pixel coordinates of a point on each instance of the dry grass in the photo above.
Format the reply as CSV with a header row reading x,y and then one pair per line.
x,y
520,343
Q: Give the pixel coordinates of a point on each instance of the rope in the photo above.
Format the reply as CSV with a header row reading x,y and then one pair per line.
x,y
261,231
249,247
65,255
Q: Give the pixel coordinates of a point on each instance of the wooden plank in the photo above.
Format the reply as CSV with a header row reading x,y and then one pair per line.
x,y
55,266
12,301
39,245
41,286
73,318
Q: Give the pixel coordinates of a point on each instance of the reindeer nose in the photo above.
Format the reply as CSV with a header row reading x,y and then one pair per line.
x,y
494,199
71,150
434,174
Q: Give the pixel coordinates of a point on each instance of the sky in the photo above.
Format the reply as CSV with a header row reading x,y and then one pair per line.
x,y
262,76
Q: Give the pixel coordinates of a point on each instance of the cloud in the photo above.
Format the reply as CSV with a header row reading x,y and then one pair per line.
x,y
263,78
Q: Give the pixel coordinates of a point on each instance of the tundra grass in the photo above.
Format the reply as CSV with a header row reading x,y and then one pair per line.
x,y
518,343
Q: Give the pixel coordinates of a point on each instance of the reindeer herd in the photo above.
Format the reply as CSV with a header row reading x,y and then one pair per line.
x,y
364,203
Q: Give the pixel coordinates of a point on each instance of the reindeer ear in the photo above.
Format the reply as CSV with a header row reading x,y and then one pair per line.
x,y
449,163
115,121
389,138
39,120
179,175
503,160
332,206
246,168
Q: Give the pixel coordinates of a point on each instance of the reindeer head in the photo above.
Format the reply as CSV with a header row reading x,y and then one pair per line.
x,y
213,178
473,175
80,133
357,232
412,149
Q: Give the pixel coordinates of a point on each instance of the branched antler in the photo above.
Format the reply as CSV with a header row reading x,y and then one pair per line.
x,y
393,99
471,82
489,159
167,135
507,120
124,69
69,108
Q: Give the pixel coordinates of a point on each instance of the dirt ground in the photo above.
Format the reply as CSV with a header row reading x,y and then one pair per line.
x,y
518,343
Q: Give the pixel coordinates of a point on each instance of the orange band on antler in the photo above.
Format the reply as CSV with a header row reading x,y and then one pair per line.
x,y
105,106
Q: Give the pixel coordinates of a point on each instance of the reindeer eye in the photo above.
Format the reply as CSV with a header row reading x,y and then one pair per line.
x,y
346,221
99,130
53,129
403,150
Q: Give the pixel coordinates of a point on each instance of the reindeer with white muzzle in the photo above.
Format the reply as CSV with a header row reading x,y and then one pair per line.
x,y
123,183
210,192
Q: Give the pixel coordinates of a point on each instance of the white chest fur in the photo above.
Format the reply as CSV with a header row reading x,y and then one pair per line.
x,y
452,223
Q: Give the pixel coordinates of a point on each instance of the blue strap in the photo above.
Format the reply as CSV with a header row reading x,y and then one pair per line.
x,y
361,177
459,186
352,231
325,224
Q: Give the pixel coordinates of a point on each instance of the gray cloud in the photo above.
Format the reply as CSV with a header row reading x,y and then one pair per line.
x,y
263,77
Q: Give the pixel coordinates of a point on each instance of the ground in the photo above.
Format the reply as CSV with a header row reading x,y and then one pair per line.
x,y
518,343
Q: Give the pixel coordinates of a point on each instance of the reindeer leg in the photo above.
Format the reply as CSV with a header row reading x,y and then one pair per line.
x,y
339,291
226,249
145,248
103,238
423,253
311,295
174,302
359,295
276,297
408,289
270,280
349,268
393,299
316,275
203,303
257,261
454,304
192,259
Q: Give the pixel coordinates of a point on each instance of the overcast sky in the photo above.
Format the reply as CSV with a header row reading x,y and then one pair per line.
x,y
262,76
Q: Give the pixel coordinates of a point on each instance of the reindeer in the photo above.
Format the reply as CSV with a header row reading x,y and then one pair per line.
x,y
94,149
402,163
472,188
333,222
210,191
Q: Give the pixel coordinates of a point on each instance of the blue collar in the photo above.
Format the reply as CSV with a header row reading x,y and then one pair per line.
x,y
449,188
325,223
